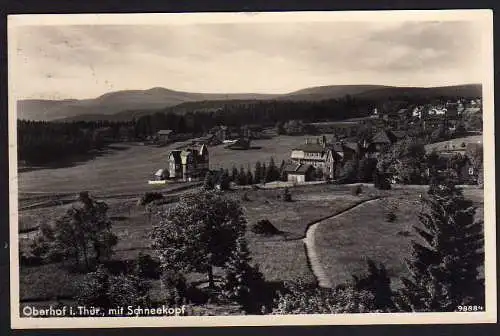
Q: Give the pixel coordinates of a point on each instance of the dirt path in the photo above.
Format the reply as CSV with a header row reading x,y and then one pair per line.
x,y
309,241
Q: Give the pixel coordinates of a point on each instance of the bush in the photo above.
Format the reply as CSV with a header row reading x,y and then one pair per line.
x,y
147,267
245,197
390,216
287,196
243,282
26,259
175,287
265,227
150,197
103,290
303,298
356,190
381,181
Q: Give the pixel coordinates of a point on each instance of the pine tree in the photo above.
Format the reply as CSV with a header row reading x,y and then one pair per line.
x,y
242,176
271,173
378,283
243,282
209,184
249,177
282,171
258,175
262,177
444,264
234,174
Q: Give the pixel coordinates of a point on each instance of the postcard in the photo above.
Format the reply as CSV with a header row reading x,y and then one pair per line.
x,y
244,169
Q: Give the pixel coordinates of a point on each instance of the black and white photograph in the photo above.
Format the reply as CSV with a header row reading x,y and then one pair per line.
x,y
251,169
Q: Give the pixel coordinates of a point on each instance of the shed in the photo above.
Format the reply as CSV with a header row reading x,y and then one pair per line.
x,y
164,135
297,172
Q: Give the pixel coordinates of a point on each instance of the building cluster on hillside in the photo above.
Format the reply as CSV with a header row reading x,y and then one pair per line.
x,y
329,156
186,164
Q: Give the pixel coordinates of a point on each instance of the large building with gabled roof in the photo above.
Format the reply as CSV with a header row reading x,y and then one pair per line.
x,y
190,163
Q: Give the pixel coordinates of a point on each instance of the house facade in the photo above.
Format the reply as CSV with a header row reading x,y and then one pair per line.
x,y
188,163
316,153
324,156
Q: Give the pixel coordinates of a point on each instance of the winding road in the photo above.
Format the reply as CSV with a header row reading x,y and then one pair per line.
x,y
309,241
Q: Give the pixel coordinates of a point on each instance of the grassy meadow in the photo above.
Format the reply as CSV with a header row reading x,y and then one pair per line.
x,y
456,142
345,242
126,168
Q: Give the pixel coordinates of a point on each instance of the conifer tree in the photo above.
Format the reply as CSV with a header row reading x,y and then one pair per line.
x,y
271,173
209,184
234,174
378,283
242,176
249,177
262,177
282,171
445,262
258,170
243,282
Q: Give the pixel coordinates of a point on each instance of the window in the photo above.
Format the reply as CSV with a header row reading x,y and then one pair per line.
x,y
471,171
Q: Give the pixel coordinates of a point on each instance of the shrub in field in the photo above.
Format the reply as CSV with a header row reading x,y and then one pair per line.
x,y
390,216
83,232
381,181
149,197
303,298
147,267
174,286
264,227
287,195
378,283
242,282
26,259
103,290
209,182
356,190
245,197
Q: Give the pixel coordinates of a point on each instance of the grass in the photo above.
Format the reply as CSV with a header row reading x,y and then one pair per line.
x,y
282,257
127,170
345,242
47,282
457,142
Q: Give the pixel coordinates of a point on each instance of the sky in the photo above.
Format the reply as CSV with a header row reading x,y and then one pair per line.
x,y
85,61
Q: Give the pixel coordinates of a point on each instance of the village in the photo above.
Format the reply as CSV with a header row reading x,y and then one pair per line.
x,y
328,148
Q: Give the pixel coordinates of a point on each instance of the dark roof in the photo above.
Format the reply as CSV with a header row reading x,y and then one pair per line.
x,y
304,168
297,168
291,167
385,137
337,147
352,145
399,134
164,132
311,148
177,155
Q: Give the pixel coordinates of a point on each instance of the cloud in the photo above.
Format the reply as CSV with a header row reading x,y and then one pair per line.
x,y
86,61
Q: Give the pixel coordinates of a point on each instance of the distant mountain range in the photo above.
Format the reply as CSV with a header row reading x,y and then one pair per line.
x,y
124,105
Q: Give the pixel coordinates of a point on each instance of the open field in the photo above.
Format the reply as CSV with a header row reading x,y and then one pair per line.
x,y
456,142
127,168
